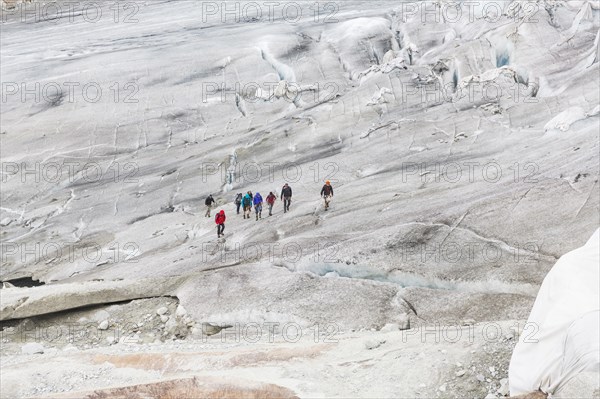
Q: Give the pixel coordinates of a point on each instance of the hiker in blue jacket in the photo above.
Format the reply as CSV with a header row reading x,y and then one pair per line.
x,y
258,202
247,204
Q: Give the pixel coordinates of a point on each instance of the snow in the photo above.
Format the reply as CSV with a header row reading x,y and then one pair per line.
x,y
565,119
565,321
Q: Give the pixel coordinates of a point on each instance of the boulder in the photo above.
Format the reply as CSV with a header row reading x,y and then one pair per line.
x,y
162,311
32,348
374,343
390,327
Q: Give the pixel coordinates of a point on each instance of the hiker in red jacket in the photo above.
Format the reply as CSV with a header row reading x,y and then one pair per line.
x,y
271,201
220,221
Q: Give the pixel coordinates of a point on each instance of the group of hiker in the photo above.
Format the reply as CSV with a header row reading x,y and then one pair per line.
x,y
247,201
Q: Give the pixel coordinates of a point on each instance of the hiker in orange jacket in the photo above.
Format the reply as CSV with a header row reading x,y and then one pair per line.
x,y
327,193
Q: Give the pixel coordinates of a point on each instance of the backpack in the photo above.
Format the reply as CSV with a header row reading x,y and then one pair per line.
x,y
247,201
238,199
208,201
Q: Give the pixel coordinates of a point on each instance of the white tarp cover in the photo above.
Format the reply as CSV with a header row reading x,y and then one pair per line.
x,y
561,338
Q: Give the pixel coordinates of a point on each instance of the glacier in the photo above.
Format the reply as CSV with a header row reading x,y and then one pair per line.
x,y
461,139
